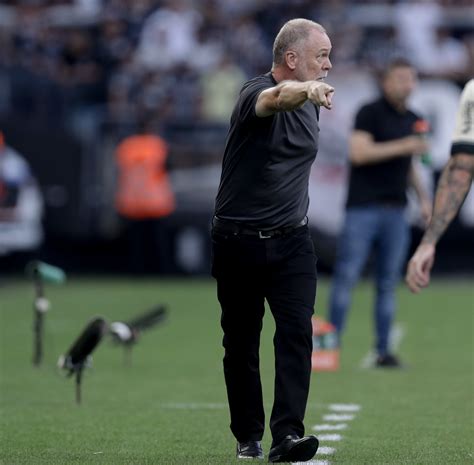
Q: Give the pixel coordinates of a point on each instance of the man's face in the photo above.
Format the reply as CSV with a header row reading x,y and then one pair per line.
x,y
312,61
399,83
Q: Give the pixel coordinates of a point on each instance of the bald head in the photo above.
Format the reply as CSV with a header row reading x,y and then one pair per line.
x,y
291,35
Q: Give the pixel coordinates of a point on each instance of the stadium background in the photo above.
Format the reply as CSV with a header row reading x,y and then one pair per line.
x,y
77,76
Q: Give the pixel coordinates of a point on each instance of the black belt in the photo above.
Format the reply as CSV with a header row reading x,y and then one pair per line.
x,y
231,227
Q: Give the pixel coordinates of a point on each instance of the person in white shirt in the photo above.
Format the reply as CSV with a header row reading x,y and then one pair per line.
x,y
453,187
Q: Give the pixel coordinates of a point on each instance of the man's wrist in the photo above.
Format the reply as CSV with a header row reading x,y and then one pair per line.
x,y
307,86
429,239
425,199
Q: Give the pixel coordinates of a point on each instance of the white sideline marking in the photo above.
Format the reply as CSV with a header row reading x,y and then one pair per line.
x,y
338,417
397,333
326,450
344,407
344,412
194,405
329,437
330,427
314,462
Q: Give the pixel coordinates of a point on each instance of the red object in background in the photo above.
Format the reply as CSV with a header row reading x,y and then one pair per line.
x,y
421,126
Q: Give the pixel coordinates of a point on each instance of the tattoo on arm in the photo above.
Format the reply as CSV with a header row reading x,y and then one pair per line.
x,y
453,187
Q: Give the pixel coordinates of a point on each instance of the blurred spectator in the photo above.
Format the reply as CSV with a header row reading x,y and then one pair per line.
x,y
208,51
184,91
21,204
123,84
80,68
416,23
248,45
427,41
144,199
452,53
154,96
228,79
168,37
66,67
114,42
378,47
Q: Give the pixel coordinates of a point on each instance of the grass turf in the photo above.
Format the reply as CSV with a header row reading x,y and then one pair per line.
x,y
169,406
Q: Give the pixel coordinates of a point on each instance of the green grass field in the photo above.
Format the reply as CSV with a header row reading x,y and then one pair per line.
x,y
169,406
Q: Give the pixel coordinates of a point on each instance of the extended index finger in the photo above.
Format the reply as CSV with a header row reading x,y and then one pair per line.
x,y
329,95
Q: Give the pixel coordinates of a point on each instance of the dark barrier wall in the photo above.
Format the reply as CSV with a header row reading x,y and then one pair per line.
x,y
73,240
55,159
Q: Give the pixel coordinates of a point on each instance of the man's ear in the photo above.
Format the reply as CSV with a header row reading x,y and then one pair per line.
x,y
291,58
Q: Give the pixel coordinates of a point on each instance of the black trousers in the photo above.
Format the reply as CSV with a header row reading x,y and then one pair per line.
x,y
281,270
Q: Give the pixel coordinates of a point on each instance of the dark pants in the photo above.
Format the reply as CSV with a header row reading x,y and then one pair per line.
x,y
281,270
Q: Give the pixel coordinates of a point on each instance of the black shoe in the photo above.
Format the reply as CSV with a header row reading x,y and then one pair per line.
x,y
294,449
388,361
249,450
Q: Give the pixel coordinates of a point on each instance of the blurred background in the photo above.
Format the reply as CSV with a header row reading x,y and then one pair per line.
x,y
79,77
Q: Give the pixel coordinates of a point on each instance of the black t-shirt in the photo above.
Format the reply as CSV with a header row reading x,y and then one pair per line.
x,y
267,162
385,182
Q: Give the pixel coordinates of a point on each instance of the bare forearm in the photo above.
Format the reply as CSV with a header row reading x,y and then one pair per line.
x,y
291,95
379,151
364,150
453,187
415,181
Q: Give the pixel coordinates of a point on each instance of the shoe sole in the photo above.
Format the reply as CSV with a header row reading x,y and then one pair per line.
x,y
301,452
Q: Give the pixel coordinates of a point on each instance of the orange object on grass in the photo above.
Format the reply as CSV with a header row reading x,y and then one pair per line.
x,y
325,356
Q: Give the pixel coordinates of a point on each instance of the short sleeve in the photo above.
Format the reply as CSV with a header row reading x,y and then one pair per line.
x,y
364,120
248,99
463,138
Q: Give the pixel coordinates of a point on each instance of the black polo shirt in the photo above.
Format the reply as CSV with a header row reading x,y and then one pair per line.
x,y
384,182
267,162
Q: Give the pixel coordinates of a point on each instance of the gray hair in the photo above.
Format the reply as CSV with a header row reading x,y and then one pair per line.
x,y
292,32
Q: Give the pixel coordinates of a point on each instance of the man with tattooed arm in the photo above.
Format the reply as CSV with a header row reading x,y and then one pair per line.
x,y
453,187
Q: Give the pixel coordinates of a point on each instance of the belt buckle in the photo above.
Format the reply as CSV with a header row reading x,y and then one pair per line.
x,y
262,235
